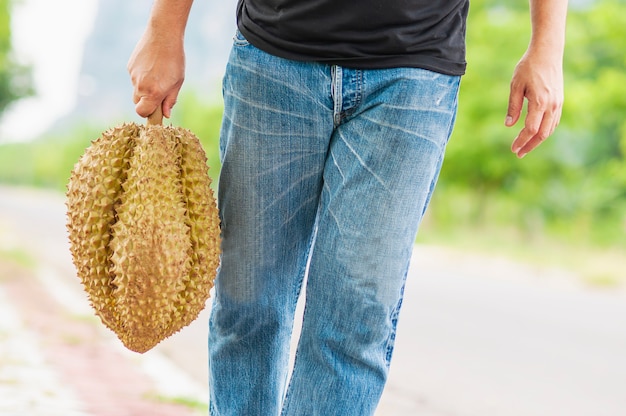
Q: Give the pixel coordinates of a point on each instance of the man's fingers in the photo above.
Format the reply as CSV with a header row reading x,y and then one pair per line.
x,y
531,127
145,106
516,103
534,134
168,104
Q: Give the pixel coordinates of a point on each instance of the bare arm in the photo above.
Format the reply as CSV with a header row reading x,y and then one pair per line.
x,y
538,77
157,65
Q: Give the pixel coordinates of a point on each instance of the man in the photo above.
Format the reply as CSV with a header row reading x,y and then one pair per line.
x,y
336,118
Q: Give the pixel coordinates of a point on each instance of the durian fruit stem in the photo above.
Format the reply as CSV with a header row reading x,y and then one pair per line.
x,y
156,118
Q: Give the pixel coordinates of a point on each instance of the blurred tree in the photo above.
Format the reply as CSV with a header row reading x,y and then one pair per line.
x,y
204,120
478,157
15,79
595,127
578,177
574,185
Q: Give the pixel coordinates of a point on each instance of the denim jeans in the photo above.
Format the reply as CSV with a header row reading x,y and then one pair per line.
x,y
326,171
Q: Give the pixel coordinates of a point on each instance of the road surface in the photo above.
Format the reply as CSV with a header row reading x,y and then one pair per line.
x,y
476,337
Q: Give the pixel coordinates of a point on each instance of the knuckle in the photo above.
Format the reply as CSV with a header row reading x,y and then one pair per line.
x,y
540,137
147,90
532,129
540,102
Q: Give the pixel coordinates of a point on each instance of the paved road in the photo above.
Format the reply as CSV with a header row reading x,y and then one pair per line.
x,y
477,337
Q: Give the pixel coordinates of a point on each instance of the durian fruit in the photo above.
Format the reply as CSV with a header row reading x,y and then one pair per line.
x,y
144,230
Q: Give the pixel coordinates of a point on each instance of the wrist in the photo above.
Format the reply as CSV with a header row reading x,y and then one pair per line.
x,y
547,45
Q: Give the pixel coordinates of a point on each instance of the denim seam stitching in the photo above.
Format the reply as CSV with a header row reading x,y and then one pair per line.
x,y
336,89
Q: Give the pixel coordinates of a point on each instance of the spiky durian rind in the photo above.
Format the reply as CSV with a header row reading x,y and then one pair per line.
x,y
93,193
144,230
202,215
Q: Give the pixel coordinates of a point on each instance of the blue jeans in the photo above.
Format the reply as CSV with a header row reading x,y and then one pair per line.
x,y
326,170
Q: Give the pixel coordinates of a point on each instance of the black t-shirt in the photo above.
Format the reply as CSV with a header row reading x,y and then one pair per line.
x,y
427,34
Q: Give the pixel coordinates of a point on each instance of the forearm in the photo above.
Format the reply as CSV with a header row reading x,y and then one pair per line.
x,y
548,26
169,18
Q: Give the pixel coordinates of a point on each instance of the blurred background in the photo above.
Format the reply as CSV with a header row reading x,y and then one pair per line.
x,y
558,215
64,80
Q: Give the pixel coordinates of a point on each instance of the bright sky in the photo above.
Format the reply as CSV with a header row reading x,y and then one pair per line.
x,y
50,36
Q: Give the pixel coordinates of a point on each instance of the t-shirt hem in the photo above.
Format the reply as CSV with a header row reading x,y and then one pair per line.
x,y
427,62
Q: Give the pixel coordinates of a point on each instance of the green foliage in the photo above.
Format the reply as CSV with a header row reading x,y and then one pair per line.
x,y
496,39
204,120
48,161
15,79
574,185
